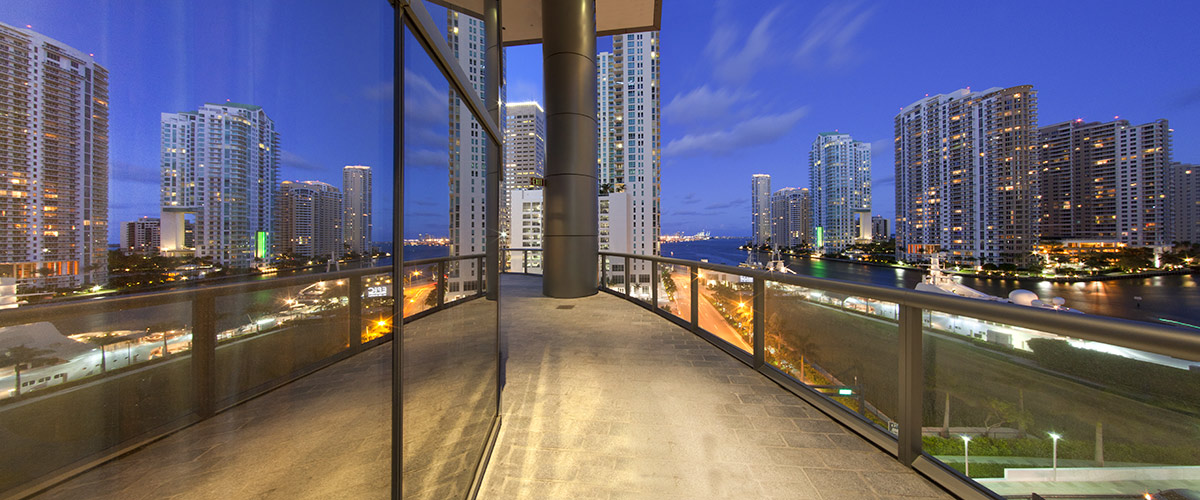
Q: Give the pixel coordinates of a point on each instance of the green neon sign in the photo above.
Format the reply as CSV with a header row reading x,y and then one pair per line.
x,y
820,236
260,244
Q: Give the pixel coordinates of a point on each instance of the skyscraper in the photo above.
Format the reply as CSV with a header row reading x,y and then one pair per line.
x,y
628,116
760,209
140,236
880,228
965,167
54,128
220,163
310,219
840,181
1104,181
468,162
791,217
1184,203
526,213
356,205
524,158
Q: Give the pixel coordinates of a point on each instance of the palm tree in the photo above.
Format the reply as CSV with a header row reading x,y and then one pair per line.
x,y
21,355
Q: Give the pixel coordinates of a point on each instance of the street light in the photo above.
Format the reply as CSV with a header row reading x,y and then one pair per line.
x,y
966,455
1055,437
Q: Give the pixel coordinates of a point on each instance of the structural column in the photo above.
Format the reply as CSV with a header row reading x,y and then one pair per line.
x,y
569,237
492,75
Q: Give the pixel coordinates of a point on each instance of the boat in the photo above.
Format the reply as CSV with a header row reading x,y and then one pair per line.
x,y
775,265
939,282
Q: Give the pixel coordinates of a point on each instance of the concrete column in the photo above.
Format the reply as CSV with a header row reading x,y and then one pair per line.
x,y
492,76
569,238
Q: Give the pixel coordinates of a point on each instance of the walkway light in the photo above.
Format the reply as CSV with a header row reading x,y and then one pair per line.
x,y
966,455
1055,437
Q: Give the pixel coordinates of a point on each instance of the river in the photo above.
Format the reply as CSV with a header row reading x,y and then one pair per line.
x,y
1173,298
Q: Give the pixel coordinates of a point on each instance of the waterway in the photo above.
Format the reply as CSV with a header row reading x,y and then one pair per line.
x,y
1165,299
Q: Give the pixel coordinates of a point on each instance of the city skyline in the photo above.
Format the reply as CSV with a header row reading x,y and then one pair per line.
x,y
840,52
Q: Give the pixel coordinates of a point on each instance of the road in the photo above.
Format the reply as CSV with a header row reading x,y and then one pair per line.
x,y
415,297
710,319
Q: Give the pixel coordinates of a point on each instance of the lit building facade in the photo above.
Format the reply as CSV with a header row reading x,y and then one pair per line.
x,y
140,236
965,171
54,132
760,209
356,209
629,144
221,164
525,207
1184,203
840,181
791,217
524,159
1105,181
881,228
310,219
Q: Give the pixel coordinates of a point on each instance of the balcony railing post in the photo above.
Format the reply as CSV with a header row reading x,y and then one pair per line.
x,y
695,275
628,262
524,261
204,355
654,284
354,327
911,385
603,271
759,319
441,283
482,282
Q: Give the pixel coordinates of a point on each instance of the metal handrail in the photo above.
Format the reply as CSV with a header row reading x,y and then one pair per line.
x,y
40,312
1160,339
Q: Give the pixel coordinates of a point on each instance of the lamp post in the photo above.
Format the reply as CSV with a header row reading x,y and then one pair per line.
x,y
966,455
1054,455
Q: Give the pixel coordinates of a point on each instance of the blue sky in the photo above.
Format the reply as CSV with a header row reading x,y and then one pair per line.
x,y
746,85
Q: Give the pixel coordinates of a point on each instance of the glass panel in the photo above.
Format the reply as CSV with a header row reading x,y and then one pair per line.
x,y
420,288
614,273
1056,415
376,306
726,307
673,292
105,374
449,356
845,347
267,336
639,277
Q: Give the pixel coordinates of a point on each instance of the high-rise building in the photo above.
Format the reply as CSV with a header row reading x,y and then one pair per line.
x,y
140,236
524,159
880,228
1184,203
760,209
468,162
220,163
526,211
1104,181
310,219
628,117
965,171
840,181
791,217
356,206
54,131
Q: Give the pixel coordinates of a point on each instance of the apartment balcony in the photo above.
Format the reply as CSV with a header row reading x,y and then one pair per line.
x,y
715,382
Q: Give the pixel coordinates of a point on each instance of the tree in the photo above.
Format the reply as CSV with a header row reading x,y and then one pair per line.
x,y
1000,413
1094,260
21,355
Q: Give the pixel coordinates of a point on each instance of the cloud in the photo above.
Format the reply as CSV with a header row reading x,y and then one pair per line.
x,y
728,204
123,171
737,64
424,103
690,198
829,37
381,91
426,158
1188,97
702,103
297,162
757,130
883,181
520,90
